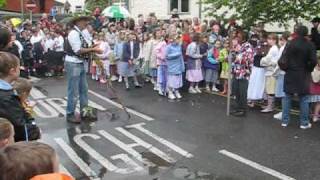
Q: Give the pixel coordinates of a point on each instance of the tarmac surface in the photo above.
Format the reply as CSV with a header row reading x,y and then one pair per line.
x,y
158,139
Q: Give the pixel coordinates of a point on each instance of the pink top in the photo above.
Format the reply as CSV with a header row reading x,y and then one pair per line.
x,y
106,50
161,53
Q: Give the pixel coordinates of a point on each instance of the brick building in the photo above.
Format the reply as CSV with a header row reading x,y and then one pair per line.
x,y
43,6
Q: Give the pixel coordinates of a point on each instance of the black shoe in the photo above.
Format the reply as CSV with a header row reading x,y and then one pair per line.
x,y
239,114
138,86
89,114
233,111
73,119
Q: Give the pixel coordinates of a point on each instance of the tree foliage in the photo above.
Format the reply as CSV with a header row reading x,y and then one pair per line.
x,y
266,11
3,3
91,5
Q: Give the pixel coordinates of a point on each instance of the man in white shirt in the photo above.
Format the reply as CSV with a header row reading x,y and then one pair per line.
x,y
88,36
76,49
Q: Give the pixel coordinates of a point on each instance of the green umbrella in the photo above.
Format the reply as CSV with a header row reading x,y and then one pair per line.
x,y
117,12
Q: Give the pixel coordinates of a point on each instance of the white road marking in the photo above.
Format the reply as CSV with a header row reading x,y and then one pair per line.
x,y
76,159
64,170
134,167
146,145
95,105
126,159
58,104
36,94
161,140
51,112
34,79
143,116
256,165
126,147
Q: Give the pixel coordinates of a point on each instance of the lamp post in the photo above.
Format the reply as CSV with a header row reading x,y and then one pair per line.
x,y
22,8
200,9
31,5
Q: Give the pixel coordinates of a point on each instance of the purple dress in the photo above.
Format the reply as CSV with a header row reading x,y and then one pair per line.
x,y
194,64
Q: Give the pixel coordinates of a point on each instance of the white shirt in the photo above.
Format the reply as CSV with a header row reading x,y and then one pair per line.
x,y
75,43
104,46
19,45
58,44
35,39
131,49
87,36
42,34
270,61
48,44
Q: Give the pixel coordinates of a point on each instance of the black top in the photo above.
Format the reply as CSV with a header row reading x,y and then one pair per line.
x,y
315,37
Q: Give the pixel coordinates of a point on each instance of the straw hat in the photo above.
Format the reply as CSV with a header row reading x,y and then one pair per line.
x,y
76,19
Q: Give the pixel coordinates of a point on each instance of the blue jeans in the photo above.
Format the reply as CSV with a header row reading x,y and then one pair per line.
x,y
304,109
77,86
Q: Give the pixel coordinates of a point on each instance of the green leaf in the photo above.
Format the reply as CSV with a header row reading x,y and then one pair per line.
x,y
267,11
91,5
3,3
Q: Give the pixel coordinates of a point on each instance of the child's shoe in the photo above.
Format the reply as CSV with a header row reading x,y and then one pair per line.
x,y
207,88
114,78
103,81
214,89
198,90
178,95
171,95
192,90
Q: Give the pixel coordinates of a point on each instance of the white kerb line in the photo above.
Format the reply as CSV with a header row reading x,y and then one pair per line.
x,y
76,159
143,116
34,79
256,165
64,170
36,94
161,140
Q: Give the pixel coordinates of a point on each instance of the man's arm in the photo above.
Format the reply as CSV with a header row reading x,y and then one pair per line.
x,y
75,43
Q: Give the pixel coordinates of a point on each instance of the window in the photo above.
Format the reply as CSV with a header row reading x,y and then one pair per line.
x,y
174,4
42,6
184,5
181,5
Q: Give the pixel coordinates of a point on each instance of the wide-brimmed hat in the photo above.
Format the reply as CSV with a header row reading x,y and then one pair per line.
x,y
316,20
76,19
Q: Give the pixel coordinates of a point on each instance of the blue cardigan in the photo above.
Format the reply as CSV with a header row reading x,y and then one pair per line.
x,y
210,61
127,51
174,58
118,50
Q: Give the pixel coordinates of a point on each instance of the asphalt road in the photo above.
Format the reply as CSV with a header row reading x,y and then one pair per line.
x,y
172,140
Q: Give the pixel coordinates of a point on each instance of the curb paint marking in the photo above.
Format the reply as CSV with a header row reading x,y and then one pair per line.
x,y
256,165
59,104
64,170
52,113
34,79
36,94
126,147
76,159
52,107
146,145
143,116
161,140
133,167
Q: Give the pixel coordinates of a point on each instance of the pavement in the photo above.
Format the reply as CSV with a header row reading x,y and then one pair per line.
x,y
189,139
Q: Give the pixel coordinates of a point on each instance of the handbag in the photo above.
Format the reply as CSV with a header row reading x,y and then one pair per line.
x,y
283,61
32,131
315,75
314,88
